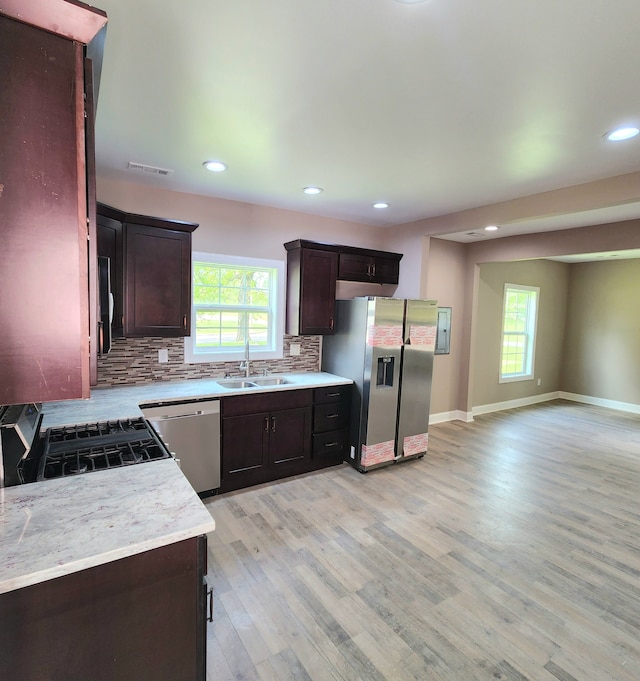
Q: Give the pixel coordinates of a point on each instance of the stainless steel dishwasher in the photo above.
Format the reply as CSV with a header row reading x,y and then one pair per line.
x,y
191,431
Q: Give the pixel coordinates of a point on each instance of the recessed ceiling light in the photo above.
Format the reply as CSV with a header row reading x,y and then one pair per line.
x,y
312,190
491,228
215,166
381,204
620,134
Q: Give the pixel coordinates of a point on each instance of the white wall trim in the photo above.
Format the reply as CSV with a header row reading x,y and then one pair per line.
x,y
512,404
600,402
457,415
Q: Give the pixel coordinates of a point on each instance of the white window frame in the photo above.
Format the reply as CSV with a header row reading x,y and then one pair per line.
x,y
530,335
277,305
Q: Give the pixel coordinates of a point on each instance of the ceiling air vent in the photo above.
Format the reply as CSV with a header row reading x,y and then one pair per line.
x,y
148,169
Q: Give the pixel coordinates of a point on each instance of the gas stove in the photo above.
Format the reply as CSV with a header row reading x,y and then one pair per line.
x,y
85,448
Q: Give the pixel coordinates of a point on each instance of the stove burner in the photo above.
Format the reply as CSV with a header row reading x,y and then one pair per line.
x,y
77,467
73,450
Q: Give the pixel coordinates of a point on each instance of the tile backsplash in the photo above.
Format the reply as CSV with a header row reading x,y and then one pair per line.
x,y
134,361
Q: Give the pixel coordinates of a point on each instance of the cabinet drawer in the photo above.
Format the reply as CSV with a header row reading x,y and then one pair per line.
x,y
330,416
331,393
265,402
334,444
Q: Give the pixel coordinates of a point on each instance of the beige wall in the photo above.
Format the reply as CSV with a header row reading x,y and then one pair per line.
x,y
602,348
233,227
462,269
445,283
553,280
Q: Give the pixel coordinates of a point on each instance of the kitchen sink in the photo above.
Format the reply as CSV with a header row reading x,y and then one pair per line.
x,y
237,383
253,382
270,380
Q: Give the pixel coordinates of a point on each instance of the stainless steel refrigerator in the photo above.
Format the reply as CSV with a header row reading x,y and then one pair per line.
x,y
385,345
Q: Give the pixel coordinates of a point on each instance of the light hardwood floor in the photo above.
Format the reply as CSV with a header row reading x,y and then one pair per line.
x,y
510,552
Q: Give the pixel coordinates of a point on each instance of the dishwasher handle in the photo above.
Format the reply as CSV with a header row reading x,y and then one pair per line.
x,y
167,412
164,417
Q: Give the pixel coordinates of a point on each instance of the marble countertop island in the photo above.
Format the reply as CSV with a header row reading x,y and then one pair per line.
x,y
57,527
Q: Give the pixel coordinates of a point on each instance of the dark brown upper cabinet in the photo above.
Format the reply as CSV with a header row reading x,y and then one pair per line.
x,y
150,272
311,289
368,266
46,158
312,273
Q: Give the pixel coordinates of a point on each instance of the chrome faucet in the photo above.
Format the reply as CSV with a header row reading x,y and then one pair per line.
x,y
244,366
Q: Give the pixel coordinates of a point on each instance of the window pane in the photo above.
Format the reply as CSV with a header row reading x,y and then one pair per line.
x,y
232,304
207,329
518,332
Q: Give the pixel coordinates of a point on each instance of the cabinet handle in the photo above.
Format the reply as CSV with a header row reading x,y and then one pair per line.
x,y
331,323
210,594
333,394
266,424
273,424
331,444
332,416
184,322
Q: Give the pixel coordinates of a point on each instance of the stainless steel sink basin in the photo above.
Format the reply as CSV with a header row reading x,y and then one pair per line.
x,y
270,380
236,383
253,382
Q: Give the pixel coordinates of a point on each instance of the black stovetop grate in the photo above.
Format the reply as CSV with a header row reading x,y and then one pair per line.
x,y
72,450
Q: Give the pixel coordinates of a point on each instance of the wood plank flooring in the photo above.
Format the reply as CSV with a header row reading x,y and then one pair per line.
x,y
510,552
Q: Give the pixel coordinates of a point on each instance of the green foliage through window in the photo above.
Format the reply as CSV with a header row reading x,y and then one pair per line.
x,y
232,304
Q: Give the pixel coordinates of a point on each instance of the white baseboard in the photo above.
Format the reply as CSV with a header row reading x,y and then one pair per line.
x,y
512,404
600,402
456,415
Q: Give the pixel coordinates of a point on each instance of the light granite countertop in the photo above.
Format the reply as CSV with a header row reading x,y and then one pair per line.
x,y
57,527
123,402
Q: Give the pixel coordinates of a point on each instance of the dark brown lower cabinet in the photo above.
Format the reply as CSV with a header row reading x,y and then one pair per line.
x,y
141,617
331,419
265,437
270,436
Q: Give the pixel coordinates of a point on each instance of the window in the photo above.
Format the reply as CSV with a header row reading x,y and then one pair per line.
x,y
235,300
519,317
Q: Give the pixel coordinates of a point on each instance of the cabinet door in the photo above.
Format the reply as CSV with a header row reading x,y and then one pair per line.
x,y
386,270
110,622
289,438
245,442
110,246
355,267
158,281
311,296
44,302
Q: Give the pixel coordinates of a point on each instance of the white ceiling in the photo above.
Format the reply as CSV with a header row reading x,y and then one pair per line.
x,y
435,107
